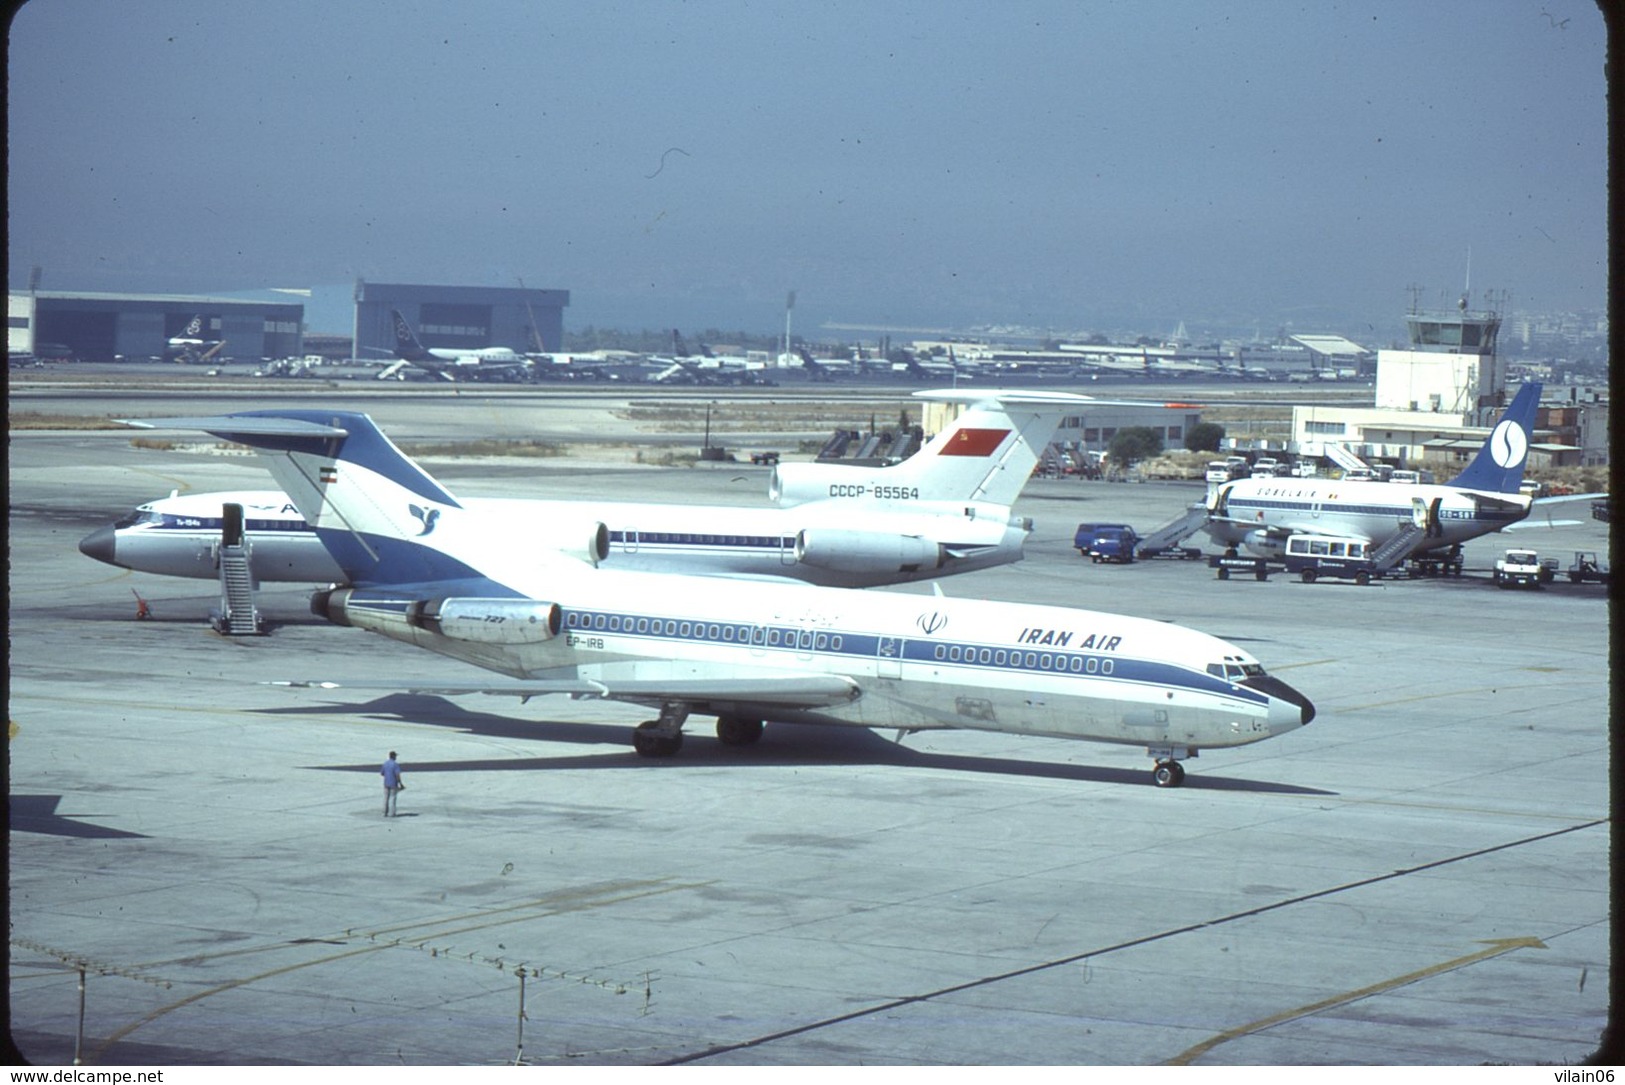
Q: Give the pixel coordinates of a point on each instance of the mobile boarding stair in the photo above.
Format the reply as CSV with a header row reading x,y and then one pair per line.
x,y
237,615
1164,542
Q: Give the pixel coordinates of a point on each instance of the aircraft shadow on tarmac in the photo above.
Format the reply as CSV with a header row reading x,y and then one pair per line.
x,y
37,814
783,744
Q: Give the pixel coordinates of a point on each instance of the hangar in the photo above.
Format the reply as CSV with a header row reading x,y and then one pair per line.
x,y
460,317
138,327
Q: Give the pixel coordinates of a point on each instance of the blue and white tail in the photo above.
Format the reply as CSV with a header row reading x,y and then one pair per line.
x,y
1498,467
407,343
380,515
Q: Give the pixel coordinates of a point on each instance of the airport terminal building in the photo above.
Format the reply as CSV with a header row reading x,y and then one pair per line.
x,y
1438,399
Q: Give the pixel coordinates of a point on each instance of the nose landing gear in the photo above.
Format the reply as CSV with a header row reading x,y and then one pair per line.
x,y
1168,771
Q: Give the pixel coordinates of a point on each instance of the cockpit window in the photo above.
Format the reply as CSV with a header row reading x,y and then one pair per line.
x,y
137,516
1233,668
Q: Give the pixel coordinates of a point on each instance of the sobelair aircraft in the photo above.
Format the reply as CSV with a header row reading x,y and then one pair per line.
x,y
944,510
1394,520
422,568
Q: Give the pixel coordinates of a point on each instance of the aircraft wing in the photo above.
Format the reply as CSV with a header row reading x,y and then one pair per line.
x,y
1562,499
783,690
1281,531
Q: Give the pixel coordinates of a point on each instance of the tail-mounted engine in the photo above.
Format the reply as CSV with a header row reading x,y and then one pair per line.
x,y
867,551
480,621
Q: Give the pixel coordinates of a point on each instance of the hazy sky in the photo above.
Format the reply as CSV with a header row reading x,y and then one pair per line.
x,y
1071,164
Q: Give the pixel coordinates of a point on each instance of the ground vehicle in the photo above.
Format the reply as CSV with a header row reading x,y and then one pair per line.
x,y
1106,542
1586,567
1234,563
1218,471
1315,556
1405,477
1518,568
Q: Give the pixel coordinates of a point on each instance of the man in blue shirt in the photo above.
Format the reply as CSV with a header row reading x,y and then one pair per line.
x,y
391,772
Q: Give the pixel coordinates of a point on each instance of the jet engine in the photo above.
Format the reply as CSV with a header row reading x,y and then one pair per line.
x,y
548,528
867,551
481,621
795,483
791,484
488,621
587,541
1260,543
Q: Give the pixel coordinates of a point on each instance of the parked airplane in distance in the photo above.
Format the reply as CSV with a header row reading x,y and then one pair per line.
x,y
448,363
422,568
945,510
1393,520
191,346
706,367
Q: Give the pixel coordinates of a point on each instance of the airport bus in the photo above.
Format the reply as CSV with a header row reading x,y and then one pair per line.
x,y
1315,556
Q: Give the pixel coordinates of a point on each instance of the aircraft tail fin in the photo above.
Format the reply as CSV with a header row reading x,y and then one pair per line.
x,y
407,344
380,515
990,450
1498,467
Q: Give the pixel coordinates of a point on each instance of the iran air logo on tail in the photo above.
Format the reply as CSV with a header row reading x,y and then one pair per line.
x,y
1508,444
426,517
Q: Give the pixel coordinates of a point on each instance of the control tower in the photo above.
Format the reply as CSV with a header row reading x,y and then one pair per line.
x,y
1451,366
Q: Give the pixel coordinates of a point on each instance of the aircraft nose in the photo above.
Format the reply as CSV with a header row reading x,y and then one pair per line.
x,y
1283,692
101,544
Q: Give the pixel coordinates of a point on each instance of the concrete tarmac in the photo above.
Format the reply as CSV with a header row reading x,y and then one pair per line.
x,y
1418,877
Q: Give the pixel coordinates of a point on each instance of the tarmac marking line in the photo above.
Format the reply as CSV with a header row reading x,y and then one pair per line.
x,y
1497,946
1133,943
376,947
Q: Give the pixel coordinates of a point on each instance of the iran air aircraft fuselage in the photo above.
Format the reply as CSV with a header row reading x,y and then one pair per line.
x,y
423,568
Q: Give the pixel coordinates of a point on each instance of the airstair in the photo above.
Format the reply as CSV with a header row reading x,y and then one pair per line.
x,y
1398,547
867,449
237,615
1173,533
1345,459
835,447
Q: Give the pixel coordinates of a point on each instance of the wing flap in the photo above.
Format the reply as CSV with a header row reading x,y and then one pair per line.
x,y
785,690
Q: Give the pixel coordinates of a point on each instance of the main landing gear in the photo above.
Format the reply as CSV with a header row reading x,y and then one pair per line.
x,y
663,737
1168,771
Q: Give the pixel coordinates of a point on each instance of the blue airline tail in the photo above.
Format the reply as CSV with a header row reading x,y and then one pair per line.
x,y
407,344
380,515
1498,467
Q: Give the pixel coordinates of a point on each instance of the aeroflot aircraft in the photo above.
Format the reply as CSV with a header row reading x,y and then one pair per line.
x,y
944,510
423,568
1261,513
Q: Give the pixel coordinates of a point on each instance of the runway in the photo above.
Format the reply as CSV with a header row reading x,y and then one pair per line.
x,y
1419,877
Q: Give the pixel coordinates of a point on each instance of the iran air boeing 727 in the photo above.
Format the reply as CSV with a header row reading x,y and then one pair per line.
x,y
422,567
945,510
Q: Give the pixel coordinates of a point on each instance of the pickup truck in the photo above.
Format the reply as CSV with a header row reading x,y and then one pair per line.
x,y
1518,568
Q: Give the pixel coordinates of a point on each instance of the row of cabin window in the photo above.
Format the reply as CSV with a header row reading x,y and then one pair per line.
x,y
208,523
999,657
653,537
772,636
